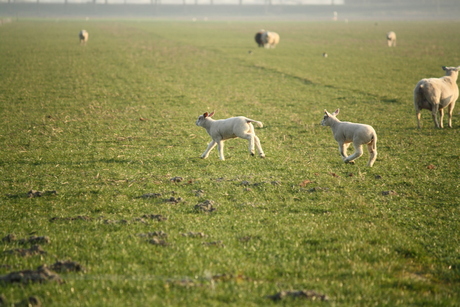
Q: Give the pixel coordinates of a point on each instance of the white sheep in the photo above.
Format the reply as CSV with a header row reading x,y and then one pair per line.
x,y
391,39
270,39
345,133
224,129
83,35
435,94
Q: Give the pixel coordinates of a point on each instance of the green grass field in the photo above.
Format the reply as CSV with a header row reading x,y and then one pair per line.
x,y
107,123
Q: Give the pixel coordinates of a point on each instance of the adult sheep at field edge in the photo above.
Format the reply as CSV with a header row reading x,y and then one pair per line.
x,y
391,39
224,129
270,39
435,94
346,133
83,35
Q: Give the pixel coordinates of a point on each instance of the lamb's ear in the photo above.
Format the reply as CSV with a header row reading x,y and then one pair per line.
x,y
212,114
205,114
444,68
326,112
336,112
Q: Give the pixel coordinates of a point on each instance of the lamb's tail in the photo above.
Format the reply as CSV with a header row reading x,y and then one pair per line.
x,y
255,121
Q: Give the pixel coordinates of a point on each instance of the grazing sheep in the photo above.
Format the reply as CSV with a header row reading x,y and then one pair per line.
x,y
83,35
270,39
224,129
258,38
391,39
435,94
345,133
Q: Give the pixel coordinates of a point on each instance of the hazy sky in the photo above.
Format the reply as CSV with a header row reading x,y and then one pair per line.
x,y
285,2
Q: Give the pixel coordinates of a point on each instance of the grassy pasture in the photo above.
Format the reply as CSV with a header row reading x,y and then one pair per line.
x,y
298,220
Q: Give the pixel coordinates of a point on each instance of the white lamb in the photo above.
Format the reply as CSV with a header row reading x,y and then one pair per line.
x,y
345,133
435,94
391,39
224,129
83,35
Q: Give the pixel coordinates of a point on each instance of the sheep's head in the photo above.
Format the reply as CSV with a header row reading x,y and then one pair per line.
x,y
202,118
450,71
328,116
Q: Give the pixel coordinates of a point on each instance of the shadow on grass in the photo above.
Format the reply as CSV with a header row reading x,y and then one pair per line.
x,y
309,82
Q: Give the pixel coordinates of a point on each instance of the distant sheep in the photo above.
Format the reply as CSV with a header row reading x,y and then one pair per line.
x,y
224,129
270,39
258,38
346,133
83,35
391,39
435,94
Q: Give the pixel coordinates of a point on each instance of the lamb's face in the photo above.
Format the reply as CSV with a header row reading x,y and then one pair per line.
x,y
200,121
323,122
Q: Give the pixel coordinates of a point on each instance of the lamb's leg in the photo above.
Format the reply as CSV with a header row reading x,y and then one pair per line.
x,y
343,148
250,138
373,154
251,144
358,153
211,145
259,147
451,111
220,148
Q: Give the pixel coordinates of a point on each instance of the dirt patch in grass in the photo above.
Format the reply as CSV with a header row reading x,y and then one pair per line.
x,y
192,234
199,193
174,200
316,189
158,234
75,218
32,194
159,242
36,240
41,275
257,184
66,266
249,238
143,219
115,222
389,193
11,237
31,301
32,240
156,237
302,294
206,206
305,182
214,243
25,252
156,217
150,195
